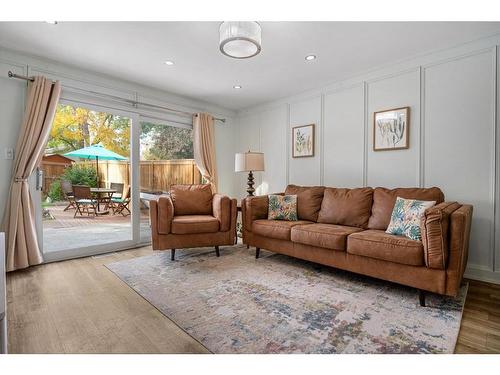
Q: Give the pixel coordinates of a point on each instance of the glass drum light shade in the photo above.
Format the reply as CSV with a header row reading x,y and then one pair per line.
x,y
241,39
249,161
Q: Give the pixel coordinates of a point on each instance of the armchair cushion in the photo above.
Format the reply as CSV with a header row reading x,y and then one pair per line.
x,y
165,215
221,206
191,224
434,227
191,199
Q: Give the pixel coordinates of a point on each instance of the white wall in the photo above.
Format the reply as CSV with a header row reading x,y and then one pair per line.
x,y
76,84
453,139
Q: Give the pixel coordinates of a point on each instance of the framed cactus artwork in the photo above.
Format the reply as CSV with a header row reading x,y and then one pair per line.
x,y
391,129
303,141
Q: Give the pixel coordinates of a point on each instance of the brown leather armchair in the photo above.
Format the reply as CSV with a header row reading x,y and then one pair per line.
x,y
192,217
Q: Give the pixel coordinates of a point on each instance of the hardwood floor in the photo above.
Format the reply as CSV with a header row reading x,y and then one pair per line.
x,y
79,306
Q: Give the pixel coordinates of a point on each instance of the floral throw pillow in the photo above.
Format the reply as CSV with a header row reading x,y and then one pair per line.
x,y
282,207
405,218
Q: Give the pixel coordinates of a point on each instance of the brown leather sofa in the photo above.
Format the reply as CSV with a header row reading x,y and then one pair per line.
x,y
192,217
345,228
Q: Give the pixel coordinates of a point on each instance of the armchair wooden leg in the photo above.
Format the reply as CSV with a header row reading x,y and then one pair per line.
x,y
172,254
257,252
421,297
217,251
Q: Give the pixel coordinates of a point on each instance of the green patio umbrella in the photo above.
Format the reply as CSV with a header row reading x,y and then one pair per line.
x,y
95,152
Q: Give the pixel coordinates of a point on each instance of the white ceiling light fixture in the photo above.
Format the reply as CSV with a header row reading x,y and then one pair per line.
x,y
240,39
169,62
310,57
237,87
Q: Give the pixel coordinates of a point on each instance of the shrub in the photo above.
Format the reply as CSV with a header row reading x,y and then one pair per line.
x,y
77,174
81,174
55,192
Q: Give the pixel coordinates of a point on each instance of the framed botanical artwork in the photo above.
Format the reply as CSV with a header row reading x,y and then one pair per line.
x,y
391,129
303,141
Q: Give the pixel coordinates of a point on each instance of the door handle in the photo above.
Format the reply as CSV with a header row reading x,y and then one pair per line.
x,y
39,179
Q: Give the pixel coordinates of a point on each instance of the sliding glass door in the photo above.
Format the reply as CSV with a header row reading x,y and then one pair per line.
x,y
101,169
86,191
166,158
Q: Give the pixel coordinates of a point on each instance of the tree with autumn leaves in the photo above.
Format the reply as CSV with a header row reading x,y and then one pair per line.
x,y
74,128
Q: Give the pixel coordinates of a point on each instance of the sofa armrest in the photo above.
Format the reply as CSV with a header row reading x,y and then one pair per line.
x,y
253,208
434,227
460,227
164,215
221,206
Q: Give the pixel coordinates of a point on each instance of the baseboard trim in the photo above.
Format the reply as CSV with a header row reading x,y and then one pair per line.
x,y
481,274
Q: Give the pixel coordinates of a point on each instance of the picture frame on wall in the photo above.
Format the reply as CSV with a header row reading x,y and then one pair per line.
x,y
303,141
391,129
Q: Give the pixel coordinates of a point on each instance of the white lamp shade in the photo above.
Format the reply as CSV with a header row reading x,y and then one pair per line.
x,y
249,161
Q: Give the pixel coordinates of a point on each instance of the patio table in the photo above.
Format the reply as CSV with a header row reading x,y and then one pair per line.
x,y
103,195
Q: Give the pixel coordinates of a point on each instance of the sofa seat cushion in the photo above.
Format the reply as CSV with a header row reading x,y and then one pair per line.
x,y
278,229
191,224
380,245
328,236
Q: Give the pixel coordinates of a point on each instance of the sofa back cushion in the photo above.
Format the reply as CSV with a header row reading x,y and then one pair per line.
x,y
191,199
384,200
308,200
350,207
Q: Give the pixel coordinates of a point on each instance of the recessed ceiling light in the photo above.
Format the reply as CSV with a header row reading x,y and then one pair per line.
x,y
169,62
51,22
310,57
237,87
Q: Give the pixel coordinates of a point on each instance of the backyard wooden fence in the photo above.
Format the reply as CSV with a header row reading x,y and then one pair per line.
x,y
155,175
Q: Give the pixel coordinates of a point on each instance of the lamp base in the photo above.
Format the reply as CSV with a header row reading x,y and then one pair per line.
x,y
250,183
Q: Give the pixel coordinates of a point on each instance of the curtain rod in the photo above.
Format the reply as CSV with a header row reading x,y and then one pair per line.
x,y
133,102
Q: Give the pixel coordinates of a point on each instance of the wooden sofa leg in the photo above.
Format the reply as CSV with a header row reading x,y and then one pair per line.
x,y
421,297
172,254
257,252
217,251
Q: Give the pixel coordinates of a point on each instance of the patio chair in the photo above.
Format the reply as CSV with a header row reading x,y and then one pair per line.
x,y
120,205
67,190
84,201
118,186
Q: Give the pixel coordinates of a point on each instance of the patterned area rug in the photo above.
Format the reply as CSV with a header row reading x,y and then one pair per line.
x,y
278,304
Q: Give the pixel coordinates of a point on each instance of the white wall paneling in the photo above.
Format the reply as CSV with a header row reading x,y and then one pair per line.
x,y
343,140
398,167
265,132
454,142
12,95
306,171
459,141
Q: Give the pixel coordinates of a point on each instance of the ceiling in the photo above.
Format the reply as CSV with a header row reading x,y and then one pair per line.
x,y
136,51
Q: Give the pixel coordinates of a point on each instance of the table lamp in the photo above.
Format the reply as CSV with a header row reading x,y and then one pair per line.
x,y
249,162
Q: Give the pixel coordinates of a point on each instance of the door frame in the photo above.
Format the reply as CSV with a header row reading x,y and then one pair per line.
x,y
134,182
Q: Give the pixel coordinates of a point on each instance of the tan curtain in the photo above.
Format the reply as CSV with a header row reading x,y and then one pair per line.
x,y
19,219
204,147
